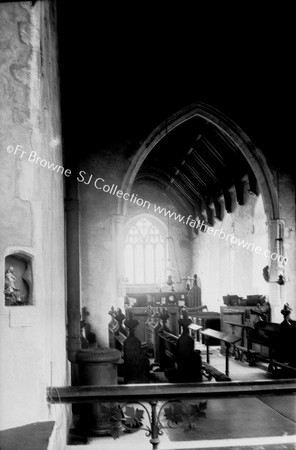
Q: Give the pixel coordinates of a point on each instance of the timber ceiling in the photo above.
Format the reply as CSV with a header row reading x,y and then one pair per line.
x,y
200,169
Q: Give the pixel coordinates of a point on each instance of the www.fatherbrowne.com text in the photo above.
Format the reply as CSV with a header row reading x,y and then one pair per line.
x,y
187,220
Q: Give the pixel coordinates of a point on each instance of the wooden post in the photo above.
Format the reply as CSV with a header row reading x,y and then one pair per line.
x,y
227,345
208,351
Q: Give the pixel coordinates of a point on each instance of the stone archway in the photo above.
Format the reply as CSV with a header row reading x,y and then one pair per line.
x,y
252,154
243,143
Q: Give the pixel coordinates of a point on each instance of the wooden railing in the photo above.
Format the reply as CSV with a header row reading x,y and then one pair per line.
x,y
165,393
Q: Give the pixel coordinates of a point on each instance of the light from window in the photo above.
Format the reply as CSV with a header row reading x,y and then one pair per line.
x,y
145,253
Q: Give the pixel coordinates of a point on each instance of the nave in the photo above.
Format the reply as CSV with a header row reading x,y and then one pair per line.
x,y
145,170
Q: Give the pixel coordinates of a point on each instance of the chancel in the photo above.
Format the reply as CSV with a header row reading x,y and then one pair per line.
x,y
147,224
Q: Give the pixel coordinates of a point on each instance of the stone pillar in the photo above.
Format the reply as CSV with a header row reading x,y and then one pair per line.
x,y
276,291
118,258
73,278
73,270
97,367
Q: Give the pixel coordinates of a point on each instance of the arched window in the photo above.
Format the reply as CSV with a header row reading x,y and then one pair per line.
x,y
145,251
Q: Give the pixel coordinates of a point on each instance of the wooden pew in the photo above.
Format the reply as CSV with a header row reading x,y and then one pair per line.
x,y
210,372
179,360
182,363
268,341
242,351
117,331
134,353
281,352
167,350
152,327
165,342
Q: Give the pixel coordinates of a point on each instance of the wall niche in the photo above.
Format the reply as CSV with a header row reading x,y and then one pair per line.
x,y
18,282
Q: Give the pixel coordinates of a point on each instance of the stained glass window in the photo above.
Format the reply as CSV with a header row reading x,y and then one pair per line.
x,y
145,252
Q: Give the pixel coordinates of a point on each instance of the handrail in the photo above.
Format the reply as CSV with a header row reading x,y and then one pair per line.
x,y
163,391
169,393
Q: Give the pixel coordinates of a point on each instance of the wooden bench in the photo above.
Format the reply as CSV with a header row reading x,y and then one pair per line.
x,y
169,359
167,350
286,366
228,339
240,351
117,331
251,355
210,372
152,327
266,334
134,352
179,361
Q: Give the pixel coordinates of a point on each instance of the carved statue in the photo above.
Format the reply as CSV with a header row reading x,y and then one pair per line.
x,y
170,282
10,289
286,311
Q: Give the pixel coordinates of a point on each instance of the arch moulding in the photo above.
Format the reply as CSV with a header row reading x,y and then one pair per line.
x,y
253,155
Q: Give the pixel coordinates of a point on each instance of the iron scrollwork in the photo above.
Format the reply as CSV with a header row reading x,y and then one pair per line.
x,y
127,417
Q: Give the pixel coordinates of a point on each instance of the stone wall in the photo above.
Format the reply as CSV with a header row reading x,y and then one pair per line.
x,y
33,342
225,267
99,233
287,214
98,213
235,267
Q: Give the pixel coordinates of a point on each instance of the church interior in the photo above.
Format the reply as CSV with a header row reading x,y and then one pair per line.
x,y
147,231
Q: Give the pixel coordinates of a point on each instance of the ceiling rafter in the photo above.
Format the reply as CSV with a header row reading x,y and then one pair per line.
x,y
205,166
202,168
194,172
181,188
214,152
188,182
182,203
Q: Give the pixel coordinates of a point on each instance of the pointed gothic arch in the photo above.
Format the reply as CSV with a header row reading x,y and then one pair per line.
x,y
242,142
253,155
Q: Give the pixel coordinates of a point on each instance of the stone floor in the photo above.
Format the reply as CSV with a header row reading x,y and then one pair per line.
x,y
238,371
242,411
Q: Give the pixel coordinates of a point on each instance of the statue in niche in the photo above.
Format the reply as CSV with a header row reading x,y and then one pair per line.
x,y
12,294
170,282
